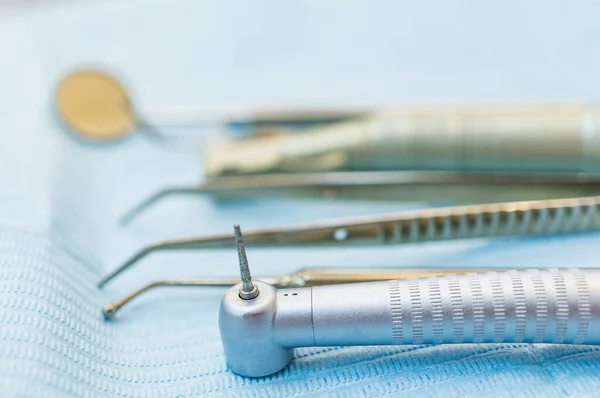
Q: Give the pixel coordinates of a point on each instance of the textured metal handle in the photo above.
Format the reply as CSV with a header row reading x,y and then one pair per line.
x,y
535,306
544,217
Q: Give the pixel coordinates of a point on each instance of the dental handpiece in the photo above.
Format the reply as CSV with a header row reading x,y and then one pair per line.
x,y
526,137
260,325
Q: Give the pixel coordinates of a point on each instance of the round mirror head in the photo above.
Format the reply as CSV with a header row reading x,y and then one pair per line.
x,y
94,105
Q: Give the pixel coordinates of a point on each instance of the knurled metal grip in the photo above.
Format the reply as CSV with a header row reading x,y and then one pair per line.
x,y
534,306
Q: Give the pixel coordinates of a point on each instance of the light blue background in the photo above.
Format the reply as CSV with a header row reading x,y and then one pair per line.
x,y
59,198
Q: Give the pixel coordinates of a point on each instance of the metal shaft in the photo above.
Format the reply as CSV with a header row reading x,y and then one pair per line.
x,y
534,306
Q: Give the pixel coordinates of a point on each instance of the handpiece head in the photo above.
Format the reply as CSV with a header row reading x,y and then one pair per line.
x,y
246,324
246,328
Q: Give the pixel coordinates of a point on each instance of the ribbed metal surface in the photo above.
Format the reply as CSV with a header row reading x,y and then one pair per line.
x,y
541,306
497,220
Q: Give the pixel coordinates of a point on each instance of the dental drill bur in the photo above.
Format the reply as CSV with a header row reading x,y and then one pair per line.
x,y
556,306
248,291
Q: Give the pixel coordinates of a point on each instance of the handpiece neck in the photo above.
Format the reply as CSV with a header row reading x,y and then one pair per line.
x,y
534,306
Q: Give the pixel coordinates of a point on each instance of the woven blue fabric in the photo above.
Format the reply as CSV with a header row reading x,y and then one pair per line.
x,y
60,198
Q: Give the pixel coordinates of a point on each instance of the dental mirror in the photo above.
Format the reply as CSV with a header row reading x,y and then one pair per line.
x,y
97,107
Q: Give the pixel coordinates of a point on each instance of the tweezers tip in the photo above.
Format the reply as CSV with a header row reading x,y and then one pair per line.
x,y
131,214
125,219
104,281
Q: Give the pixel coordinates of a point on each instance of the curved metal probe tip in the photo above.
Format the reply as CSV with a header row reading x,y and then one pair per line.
x,y
303,278
248,290
109,310
156,197
139,255
214,241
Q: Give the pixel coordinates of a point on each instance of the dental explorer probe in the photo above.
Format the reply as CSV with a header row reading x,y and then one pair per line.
x,y
260,325
526,218
302,278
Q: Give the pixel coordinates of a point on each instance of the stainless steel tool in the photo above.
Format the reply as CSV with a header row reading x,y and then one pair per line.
x,y
261,325
97,106
302,278
538,217
468,146
523,137
451,186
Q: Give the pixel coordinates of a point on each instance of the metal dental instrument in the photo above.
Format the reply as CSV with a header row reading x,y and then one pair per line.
x,y
302,278
248,290
543,138
537,217
556,306
461,187
97,107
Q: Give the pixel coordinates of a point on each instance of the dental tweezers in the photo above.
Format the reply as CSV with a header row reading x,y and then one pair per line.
x,y
526,218
457,187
